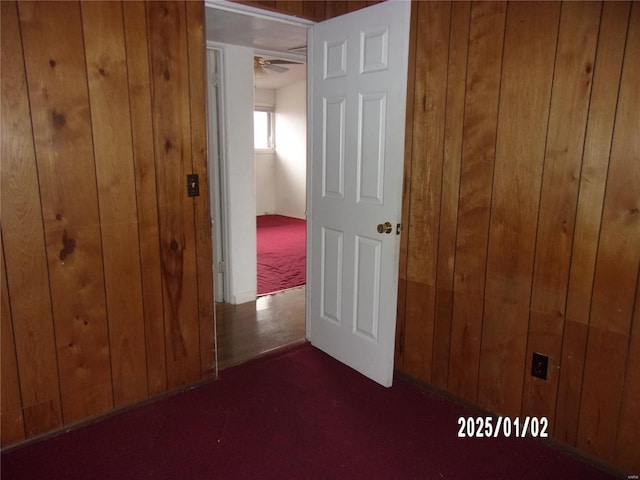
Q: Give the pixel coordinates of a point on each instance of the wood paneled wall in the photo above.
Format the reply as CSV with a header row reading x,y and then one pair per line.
x,y
316,10
107,286
522,200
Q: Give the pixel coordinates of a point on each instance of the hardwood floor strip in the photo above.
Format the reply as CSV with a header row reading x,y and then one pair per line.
x,y
251,329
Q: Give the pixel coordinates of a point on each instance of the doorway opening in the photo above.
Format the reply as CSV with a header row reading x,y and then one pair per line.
x,y
246,183
280,131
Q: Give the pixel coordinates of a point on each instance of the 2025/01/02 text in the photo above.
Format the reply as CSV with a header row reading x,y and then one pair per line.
x,y
493,427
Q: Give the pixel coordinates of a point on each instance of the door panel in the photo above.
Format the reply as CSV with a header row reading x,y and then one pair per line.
x,y
358,78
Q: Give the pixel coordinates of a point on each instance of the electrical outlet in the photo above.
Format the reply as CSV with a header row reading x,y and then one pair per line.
x,y
539,366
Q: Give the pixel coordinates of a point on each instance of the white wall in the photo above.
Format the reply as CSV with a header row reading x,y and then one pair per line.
x,y
265,162
291,150
239,174
265,183
265,97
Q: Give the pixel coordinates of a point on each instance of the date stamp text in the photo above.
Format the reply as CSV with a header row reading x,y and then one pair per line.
x,y
494,427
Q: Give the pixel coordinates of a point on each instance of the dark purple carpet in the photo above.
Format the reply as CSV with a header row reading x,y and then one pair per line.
x,y
282,253
296,415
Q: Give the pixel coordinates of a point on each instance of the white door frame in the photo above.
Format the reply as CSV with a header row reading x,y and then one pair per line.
x,y
216,165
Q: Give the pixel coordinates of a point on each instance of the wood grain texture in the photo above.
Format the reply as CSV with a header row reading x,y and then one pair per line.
x,y
316,10
595,162
406,190
563,157
111,124
80,317
252,329
398,353
627,453
426,178
418,339
530,42
335,8
11,417
135,25
172,137
453,134
292,7
426,173
24,244
88,290
575,55
617,267
56,75
55,67
486,33
201,204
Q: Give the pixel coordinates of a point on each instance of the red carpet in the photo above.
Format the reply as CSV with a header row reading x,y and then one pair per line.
x,y
296,415
281,253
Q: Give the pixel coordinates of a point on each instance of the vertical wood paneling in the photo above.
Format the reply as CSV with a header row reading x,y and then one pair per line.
x,y
453,128
575,56
56,76
90,275
295,8
426,178
268,4
23,243
530,42
197,74
11,418
172,137
111,125
595,162
567,122
135,24
617,267
335,8
314,10
476,177
406,190
430,98
544,260
627,452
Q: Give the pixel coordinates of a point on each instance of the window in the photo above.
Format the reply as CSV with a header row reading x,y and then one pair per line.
x,y
263,128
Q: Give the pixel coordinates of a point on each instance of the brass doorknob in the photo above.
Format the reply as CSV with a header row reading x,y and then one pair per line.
x,y
386,228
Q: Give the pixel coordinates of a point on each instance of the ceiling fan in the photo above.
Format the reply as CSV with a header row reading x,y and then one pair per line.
x,y
261,65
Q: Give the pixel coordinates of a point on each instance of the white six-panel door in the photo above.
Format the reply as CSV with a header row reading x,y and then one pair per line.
x,y
357,100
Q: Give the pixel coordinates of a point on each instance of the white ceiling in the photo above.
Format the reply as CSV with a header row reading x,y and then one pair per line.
x,y
275,80
269,37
